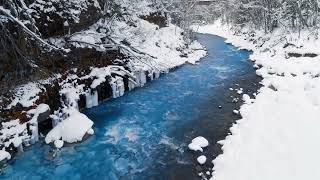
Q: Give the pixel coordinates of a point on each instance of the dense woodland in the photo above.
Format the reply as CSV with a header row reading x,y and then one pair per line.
x,y
268,14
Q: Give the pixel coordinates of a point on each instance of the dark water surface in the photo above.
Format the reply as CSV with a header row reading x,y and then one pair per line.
x,y
145,133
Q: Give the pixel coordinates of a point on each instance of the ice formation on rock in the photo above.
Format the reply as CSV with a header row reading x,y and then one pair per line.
x,y
92,99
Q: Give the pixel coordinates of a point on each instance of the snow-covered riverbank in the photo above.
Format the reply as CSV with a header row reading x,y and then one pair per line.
x,y
149,51
277,137
145,134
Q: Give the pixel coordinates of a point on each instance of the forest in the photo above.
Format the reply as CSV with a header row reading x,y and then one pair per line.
x,y
24,24
268,15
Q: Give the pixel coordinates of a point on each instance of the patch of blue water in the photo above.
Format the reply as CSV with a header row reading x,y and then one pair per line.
x,y
145,133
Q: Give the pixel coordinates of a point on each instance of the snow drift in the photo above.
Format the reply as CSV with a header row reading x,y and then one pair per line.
x,y
278,136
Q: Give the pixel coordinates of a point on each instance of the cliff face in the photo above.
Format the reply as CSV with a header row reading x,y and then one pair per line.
x,y
62,56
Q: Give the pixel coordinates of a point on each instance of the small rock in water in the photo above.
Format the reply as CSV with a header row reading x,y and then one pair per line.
x,y
195,147
50,155
235,112
239,92
202,159
220,107
90,131
235,100
246,98
198,143
58,144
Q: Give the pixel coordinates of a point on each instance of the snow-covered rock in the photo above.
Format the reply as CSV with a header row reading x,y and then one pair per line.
x,y
246,99
235,112
239,91
198,143
58,144
27,94
4,155
202,159
18,134
41,108
90,131
71,129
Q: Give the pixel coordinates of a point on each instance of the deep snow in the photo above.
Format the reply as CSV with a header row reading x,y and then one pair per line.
x,y
278,135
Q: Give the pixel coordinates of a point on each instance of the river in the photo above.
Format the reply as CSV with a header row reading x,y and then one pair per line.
x,y
145,133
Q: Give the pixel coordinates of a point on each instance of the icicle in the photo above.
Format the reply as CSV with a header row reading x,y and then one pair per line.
x,y
143,78
131,85
35,132
114,89
121,86
137,76
118,87
33,124
157,74
20,148
150,74
92,99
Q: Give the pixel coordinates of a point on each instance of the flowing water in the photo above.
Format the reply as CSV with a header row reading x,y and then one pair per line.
x,y
145,133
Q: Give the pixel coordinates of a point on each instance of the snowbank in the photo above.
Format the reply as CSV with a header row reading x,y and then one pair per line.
x,y
71,129
278,135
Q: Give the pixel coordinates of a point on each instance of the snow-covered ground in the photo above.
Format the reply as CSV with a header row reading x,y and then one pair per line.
x,y
278,135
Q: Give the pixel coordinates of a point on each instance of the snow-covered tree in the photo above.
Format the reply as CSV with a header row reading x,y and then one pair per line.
x,y
269,14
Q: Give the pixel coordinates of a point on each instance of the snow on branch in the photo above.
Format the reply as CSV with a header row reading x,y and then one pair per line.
x,y
26,29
